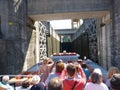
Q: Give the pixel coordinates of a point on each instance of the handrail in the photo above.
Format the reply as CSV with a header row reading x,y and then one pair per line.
x,y
19,75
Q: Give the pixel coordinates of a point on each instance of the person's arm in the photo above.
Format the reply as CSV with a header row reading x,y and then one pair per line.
x,y
2,87
83,76
90,68
39,70
50,65
48,79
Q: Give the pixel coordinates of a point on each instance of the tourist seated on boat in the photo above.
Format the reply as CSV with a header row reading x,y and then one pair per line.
x,y
71,82
86,70
64,52
45,68
24,86
2,87
5,83
82,62
59,70
115,82
111,71
96,81
37,85
55,84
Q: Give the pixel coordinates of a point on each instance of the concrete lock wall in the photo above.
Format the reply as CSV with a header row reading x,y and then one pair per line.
x,y
16,43
104,42
53,43
18,38
115,34
85,40
97,45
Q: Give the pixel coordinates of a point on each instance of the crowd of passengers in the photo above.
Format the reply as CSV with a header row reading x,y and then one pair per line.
x,y
67,76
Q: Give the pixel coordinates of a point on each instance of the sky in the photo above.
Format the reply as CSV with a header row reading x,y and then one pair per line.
x,y
61,24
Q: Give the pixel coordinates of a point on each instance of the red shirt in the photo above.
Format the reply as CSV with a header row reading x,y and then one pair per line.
x,y
68,83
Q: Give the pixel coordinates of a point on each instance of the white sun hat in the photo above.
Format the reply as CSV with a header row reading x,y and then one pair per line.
x,y
98,71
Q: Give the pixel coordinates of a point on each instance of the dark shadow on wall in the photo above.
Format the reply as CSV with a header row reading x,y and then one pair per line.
x,y
65,46
81,45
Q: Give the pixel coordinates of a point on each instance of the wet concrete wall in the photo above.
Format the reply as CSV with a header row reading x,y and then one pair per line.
x,y
53,43
15,37
115,37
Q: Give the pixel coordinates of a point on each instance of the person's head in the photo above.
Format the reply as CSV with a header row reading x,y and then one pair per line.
x,y
59,67
55,84
60,60
46,60
115,82
84,65
35,79
5,79
25,84
64,52
71,70
96,76
112,71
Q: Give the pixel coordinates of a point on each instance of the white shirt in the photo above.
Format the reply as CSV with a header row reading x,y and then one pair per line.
x,y
92,86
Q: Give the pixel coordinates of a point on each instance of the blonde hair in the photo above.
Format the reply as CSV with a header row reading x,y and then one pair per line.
x,y
112,71
46,60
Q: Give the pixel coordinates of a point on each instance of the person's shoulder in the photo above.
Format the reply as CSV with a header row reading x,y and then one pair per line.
x,y
65,80
107,80
40,86
103,84
51,74
42,83
89,83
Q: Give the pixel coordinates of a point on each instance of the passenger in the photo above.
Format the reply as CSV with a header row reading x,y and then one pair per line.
x,y
86,70
78,75
2,87
25,86
111,71
53,69
37,85
71,82
115,82
59,70
55,84
5,83
45,69
96,81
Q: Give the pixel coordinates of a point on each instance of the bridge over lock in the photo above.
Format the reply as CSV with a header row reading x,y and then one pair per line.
x,y
67,9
